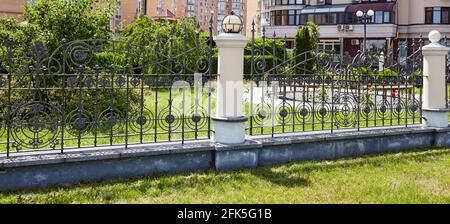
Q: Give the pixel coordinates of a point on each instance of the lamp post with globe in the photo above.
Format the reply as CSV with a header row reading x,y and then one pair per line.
x,y
365,17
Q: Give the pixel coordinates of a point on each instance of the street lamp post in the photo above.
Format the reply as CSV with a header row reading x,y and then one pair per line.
x,y
365,17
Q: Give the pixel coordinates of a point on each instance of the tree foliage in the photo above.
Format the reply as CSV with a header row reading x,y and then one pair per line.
x,y
70,20
187,48
54,21
22,34
51,22
267,45
306,40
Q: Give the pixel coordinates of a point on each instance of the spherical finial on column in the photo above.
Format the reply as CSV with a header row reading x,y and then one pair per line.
x,y
434,36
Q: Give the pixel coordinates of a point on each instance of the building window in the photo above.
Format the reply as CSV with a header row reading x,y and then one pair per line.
x,y
295,18
292,17
387,17
379,17
437,15
288,2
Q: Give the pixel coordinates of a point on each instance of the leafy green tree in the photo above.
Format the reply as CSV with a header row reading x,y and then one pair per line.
x,y
54,21
267,45
51,22
22,34
306,40
188,55
70,20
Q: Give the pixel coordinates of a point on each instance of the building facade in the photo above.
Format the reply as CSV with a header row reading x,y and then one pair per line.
x,y
12,7
395,22
239,7
253,17
202,10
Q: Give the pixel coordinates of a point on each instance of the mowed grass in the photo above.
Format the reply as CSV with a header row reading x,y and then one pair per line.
x,y
413,177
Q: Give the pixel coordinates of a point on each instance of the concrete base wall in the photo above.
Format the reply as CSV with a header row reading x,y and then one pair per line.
x,y
33,171
72,173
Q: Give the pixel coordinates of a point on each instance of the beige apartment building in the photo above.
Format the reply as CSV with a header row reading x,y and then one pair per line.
x,y
11,7
129,10
395,22
253,16
202,10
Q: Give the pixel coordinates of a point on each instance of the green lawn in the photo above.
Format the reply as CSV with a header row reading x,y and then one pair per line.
x,y
414,177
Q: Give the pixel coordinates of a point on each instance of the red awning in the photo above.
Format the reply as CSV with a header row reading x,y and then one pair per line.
x,y
382,6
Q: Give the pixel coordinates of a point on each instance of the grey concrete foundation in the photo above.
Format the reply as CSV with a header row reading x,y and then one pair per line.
x,y
32,171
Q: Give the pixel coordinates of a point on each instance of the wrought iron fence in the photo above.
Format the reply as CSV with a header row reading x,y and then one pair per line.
x,y
322,90
90,93
445,42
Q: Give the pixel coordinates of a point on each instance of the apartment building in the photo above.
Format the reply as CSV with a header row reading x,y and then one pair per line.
x,y
239,7
11,7
253,16
203,11
394,23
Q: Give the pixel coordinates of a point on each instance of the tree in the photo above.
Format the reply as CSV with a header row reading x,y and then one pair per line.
x,y
51,22
267,45
306,41
188,55
70,20
22,34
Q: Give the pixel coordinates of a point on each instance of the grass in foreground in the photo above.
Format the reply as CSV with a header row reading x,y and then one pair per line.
x,y
415,177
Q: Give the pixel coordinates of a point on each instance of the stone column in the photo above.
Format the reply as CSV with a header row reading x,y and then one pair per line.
x,y
229,122
435,112
381,62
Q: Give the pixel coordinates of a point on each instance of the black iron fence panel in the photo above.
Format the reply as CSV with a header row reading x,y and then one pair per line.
x,y
447,86
323,90
447,76
90,93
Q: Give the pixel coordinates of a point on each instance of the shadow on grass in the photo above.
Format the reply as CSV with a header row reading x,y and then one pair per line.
x,y
286,179
296,174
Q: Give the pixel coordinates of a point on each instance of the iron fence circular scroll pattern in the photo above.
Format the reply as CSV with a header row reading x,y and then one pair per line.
x,y
93,92
324,90
35,125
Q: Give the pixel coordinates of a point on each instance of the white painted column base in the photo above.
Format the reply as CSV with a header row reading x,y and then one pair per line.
x,y
435,118
229,130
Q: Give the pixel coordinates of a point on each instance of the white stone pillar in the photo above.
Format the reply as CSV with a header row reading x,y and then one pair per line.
x,y
229,122
435,112
381,62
